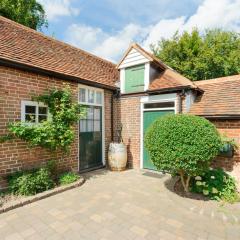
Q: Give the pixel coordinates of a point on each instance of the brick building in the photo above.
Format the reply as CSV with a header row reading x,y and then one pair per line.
x,y
132,95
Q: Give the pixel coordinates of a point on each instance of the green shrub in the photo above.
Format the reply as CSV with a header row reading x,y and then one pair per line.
x,y
56,133
182,144
52,168
68,177
217,185
30,182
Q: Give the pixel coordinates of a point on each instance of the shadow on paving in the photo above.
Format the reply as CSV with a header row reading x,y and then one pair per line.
x,y
174,185
153,174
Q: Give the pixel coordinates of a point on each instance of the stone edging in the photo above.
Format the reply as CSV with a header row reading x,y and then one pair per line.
x,y
39,196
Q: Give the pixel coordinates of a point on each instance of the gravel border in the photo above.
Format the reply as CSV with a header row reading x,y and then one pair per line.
x,y
27,200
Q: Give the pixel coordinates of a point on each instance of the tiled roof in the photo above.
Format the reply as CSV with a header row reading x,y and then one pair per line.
x,y
221,97
145,53
170,79
167,78
26,46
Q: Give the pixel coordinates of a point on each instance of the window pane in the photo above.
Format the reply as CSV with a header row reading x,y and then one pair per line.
x,y
90,125
42,118
30,109
83,125
159,105
82,95
90,113
97,126
42,110
30,117
90,96
97,114
99,97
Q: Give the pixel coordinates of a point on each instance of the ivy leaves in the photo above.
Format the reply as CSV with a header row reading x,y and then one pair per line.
x,y
56,133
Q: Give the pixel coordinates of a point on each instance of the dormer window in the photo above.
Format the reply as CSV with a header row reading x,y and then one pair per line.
x,y
138,69
134,79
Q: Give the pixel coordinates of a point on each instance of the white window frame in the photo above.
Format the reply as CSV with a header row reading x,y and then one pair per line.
x,y
154,99
34,104
103,116
86,95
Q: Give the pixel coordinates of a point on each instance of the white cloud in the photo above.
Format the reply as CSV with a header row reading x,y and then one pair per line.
x,y
100,43
113,45
164,28
210,14
58,8
86,37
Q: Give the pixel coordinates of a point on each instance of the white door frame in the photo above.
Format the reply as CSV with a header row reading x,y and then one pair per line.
x,y
154,99
103,117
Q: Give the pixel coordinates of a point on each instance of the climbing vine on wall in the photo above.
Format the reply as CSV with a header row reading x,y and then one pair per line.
x,y
58,131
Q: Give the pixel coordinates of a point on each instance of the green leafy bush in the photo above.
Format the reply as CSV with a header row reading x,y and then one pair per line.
x,y
182,144
30,182
52,168
68,177
217,185
58,132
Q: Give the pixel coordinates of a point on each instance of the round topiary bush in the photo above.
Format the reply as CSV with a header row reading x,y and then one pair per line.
x,y
182,144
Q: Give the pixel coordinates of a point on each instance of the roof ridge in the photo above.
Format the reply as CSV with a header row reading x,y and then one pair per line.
x,y
53,39
144,52
150,55
218,80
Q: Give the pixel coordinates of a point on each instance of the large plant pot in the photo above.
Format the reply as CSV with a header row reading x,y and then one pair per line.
x,y
117,156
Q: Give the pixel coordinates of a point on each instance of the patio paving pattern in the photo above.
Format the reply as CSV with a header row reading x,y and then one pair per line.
x,y
127,205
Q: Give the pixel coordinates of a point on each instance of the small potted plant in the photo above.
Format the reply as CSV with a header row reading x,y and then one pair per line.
x,y
229,147
117,154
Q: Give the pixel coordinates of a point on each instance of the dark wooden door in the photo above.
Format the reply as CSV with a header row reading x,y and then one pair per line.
x,y
90,139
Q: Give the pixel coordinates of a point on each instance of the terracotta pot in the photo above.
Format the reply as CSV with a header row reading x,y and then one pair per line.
x,y
117,156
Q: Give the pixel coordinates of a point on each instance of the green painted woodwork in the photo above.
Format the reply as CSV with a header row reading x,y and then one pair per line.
x,y
134,79
148,118
90,139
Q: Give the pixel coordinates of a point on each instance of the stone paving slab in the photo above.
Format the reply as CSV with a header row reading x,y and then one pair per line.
x,y
30,199
127,205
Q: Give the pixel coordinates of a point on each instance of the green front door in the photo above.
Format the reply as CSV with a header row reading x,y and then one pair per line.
x,y
90,139
148,118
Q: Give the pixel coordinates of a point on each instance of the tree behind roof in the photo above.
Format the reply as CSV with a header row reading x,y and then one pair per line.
x,y
215,53
27,12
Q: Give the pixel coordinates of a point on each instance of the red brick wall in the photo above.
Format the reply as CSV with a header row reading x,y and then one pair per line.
x,y
230,128
16,85
128,113
108,122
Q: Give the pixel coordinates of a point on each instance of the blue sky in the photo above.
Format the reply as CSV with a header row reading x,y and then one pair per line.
x,y
107,27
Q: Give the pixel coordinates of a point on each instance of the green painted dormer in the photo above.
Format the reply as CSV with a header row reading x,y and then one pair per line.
x,y
137,68
134,79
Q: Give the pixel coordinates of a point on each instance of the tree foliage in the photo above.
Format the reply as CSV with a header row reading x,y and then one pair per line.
x,y
27,12
182,144
215,53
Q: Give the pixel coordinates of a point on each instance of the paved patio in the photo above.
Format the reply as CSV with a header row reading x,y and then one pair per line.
x,y
127,205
